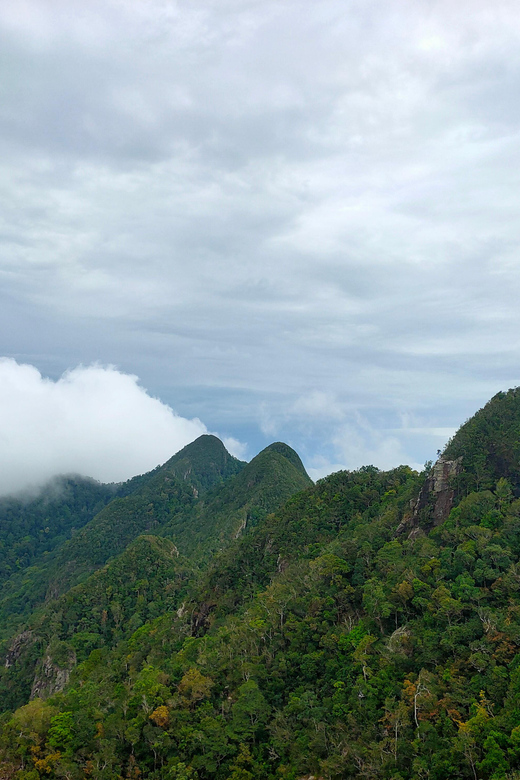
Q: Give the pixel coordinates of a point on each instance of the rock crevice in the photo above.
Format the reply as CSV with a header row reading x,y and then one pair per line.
x,y
435,501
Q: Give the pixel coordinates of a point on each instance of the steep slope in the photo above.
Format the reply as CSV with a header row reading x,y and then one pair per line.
x,y
488,444
319,644
155,498
355,655
204,463
262,486
308,521
485,451
142,505
33,525
101,611
107,534
138,585
228,691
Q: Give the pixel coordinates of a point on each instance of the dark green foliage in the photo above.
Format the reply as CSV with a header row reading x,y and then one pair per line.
x,y
33,525
220,703
17,672
204,463
489,444
261,487
136,587
309,520
142,504
152,502
118,598
106,535
295,640
289,454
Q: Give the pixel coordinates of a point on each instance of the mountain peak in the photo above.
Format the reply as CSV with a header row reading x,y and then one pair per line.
x,y
204,462
291,455
207,443
262,486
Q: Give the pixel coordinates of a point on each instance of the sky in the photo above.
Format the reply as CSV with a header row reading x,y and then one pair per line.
x,y
279,220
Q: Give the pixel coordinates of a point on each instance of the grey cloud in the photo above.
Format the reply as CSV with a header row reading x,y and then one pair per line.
x,y
251,203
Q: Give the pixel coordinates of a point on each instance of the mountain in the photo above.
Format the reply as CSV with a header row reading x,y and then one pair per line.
x,y
307,522
32,525
146,503
203,464
262,486
485,451
138,585
488,445
141,505
101,609
367,626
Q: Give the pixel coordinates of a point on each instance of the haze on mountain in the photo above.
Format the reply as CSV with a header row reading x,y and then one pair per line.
x,y
94,421
293,224
202,497
220,620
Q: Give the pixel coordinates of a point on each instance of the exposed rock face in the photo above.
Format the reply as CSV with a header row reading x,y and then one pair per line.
x,y
241,527
200,618
439,485
17,647
435,500
51,678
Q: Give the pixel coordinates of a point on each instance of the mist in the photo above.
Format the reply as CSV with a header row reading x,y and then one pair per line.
x,y
94,420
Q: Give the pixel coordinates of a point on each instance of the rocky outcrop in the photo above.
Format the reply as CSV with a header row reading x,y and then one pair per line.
x,y
241,527
18,647
52,677
435,500
200,618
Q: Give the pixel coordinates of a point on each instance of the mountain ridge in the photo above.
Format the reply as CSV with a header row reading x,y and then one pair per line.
x,y
130,513
318,641
225,509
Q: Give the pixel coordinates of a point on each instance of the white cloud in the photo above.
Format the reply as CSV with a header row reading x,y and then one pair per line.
x,y
95,421
275,218
235,447
318,405
370,446
355,447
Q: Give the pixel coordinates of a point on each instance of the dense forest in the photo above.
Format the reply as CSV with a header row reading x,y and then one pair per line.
x,y
217,620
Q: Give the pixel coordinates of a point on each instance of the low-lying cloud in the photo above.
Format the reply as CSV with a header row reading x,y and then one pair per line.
x,y
95,421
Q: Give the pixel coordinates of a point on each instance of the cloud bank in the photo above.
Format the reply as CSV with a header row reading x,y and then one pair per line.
x,y
296,220
95,421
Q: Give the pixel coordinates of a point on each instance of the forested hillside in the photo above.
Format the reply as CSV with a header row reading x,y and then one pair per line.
x,y
260,626
32,525
165,501
140,505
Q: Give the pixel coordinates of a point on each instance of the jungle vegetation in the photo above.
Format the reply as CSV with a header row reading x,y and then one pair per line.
x,y
217,620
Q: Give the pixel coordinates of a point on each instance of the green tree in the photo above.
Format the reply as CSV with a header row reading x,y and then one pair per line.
x,y
250,711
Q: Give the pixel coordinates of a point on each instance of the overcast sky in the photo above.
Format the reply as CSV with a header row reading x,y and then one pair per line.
x,y
291,220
